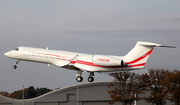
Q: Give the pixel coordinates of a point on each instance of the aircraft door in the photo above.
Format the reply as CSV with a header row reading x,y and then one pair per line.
x,y
26,54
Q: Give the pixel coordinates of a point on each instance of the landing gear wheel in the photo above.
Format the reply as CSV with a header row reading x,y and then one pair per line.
x,y
14,67
90,79
79,79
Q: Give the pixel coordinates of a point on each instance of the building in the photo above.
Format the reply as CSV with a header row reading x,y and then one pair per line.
x,y
95,93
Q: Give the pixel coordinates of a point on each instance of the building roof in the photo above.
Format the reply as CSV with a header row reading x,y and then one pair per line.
x,y
49,94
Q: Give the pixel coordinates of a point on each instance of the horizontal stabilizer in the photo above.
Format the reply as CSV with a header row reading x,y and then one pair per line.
x,y
167,46
154,44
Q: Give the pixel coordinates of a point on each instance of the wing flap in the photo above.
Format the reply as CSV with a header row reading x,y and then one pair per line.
x,y
61,63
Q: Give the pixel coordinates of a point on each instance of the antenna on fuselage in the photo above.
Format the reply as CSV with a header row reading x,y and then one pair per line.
x,y
47,48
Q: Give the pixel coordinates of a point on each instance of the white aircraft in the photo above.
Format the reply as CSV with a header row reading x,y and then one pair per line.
x,y
80,62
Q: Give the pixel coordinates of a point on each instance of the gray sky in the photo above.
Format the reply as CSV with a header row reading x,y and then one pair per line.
x,y
87,26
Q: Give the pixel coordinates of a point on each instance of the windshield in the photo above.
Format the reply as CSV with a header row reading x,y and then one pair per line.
x,y
17,49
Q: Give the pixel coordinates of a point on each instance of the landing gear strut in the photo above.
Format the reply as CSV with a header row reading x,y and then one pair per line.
x,y
79,78
16,62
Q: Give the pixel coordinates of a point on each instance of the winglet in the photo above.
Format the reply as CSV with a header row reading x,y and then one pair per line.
x,y
73,61
66,63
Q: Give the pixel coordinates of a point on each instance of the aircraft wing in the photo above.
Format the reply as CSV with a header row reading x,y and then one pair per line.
x,y
61,63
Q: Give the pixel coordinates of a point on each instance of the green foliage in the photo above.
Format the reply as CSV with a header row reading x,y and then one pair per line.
x,y
30,92
40,91
16,94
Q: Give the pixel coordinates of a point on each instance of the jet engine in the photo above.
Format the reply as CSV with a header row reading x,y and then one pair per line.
x,y
103,60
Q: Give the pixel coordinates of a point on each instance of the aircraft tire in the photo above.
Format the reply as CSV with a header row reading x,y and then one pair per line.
x,y
90,79
79,79
14,67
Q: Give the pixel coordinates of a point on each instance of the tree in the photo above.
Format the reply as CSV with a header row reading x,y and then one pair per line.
x,y
30,92
126,86
173,80
158,86
16,94
4,93
40,91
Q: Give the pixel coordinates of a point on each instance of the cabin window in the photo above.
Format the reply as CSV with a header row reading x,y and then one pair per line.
x,y
54,56
40,55
67,58
58,57
34,54
47,56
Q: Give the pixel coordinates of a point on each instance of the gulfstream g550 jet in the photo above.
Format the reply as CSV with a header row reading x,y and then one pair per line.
x,y
80,62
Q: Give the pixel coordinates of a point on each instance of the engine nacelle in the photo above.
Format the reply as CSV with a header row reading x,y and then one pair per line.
x,y
103,60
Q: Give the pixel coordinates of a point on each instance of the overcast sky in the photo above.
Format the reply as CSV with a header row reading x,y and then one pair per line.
x,y
109,27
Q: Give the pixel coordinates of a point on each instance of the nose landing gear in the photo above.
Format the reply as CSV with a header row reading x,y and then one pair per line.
x,y
16,62
14,67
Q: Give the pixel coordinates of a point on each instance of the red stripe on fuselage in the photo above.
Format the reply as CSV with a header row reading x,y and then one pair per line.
x,y
142,64
131,62
73,62
91,64
140,58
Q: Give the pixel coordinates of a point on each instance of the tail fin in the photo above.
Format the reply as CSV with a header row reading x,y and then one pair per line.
x,y
138,56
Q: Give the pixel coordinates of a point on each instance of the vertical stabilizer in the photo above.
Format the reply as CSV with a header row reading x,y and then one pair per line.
x,y
138,56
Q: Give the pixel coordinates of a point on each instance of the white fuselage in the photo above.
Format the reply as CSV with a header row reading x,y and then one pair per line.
x,y
80,62
63,59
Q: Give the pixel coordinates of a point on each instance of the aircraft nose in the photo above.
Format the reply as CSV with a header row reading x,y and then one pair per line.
x,y
7,54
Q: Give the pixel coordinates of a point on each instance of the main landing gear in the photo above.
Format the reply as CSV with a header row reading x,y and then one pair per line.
x,y
80,78
90,78
16,62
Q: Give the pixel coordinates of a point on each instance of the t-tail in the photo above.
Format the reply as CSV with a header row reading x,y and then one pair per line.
x,y
137,57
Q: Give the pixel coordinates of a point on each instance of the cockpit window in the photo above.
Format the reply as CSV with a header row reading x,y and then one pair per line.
x,y
17,49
